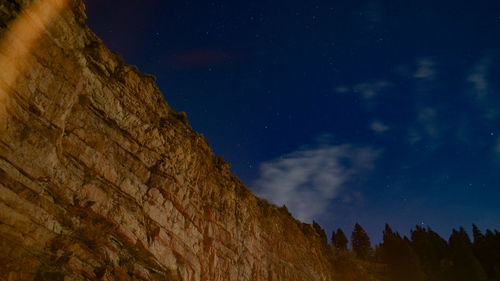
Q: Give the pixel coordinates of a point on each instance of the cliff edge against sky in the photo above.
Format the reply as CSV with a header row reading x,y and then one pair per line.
x,y
101,180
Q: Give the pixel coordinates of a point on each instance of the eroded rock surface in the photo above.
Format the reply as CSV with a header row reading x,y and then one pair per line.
x,y
101,180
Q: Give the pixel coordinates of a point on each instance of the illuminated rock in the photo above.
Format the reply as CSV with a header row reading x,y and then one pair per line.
x,y
100,179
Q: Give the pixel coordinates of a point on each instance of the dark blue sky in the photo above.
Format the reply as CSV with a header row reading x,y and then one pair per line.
x,y
345,111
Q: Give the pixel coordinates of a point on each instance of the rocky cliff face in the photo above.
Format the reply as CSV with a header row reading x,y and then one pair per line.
x,y
101,180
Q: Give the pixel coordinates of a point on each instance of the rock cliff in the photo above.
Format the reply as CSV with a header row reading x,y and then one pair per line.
x,y
101,180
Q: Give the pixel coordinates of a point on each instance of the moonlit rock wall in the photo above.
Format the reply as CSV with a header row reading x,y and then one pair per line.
x,y
101,180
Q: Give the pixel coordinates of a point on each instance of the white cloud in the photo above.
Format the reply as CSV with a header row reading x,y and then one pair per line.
x,y
425,69
307,180
478,77
414,136
342,89
427,126
404,70
371,89
496,149
379,127
427,118
368,90
373,13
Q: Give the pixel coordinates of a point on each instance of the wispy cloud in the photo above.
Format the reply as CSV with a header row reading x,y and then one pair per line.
x,y
370,89
202,57
306,180
483,86
379,127
427,118
427,126
373,13
414,135
342,89
478,77
426,69
496,149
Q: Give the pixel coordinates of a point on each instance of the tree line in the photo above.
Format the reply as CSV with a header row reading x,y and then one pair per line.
x,y
424,256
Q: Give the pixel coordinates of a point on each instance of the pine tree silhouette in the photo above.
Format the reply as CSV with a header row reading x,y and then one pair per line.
x,y
402,262
465,267
487,250
340,240
360,241
432,252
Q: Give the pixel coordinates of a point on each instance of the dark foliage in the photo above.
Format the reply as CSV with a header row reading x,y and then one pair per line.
x,y
486,248
465,266
339,240
431,250
425,256
360,241
402,262
321,232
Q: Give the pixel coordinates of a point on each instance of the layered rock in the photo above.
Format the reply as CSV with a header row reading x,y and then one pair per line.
x,y
101,180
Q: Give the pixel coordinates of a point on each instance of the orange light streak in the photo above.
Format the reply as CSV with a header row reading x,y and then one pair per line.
x,y
20,39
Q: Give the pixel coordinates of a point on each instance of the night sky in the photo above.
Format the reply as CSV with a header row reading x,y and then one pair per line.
x,y
345,111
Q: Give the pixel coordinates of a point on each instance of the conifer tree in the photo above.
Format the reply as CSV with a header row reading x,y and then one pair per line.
x,y
340,240
360,243
487,250
432,252
465,267
402,262
321,232
477,235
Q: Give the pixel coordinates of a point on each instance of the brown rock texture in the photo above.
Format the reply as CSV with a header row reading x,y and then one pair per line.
x,y
101,180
